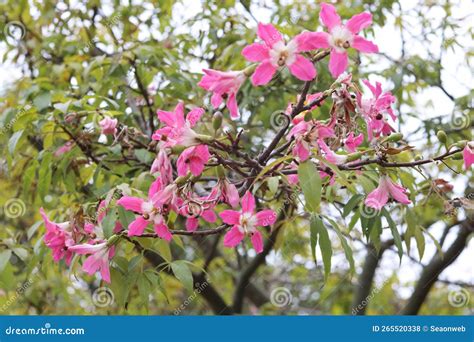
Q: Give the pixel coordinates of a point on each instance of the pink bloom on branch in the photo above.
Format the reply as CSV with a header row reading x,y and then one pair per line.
x,y
178,130
65,148
162,164
150,210
108,125
330,155
58,238
341,37
352,142
274,53
305,134
468,154
379,197
193,159
194,208
224,85
245,222
374,110
98,260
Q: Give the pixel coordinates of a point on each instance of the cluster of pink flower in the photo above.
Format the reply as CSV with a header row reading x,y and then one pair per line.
x,y
306,137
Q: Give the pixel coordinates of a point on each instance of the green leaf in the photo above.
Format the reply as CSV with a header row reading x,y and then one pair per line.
x,y
108,223
125,217
310,183
351,204
13,142
322,238
4,257
183,274
420,242
396,235
313,235
347,249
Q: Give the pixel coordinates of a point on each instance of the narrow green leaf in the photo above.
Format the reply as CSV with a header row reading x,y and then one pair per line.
x,y
310,183
347,249
324,243
396,235
13,142
420,242
4,257
108,223
183,273
351,204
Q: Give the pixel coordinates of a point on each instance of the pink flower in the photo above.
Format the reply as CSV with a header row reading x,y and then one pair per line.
x,y
379,197
108,125
162,164
468,154
194,208
223,85
245,222
352,142
309,99
177,129
65,148
226,192
341,37
58,238
374,109
193,159
150,210
96,230
305,134
98,260
274,53
330,155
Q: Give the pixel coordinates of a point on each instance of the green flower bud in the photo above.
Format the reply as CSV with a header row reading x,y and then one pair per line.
x,y
217,120
354,156
393,137
442,137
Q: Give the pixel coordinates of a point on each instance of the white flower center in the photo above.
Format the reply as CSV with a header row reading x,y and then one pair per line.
x,y
247,223
341,38
283,54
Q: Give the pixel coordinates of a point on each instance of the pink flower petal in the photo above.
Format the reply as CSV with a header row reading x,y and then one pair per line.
x,y
364,45
468,155
257,241
256,52
137,227
269,34
179,114
378,197
308,41
209,216
303,69
233,237
248,203
166,117
263,74
359,22
266,217
192,224
397,192
329,16
337,63
162,231
216,100
230,216
233,107
194,116
131,203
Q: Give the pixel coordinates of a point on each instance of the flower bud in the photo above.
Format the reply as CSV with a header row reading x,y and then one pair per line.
x,y
217,120
442,137
393,137
354,156
248,71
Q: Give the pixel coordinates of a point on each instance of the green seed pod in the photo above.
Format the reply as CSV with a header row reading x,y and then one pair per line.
x,y
217,120
393,137
442,137
354,156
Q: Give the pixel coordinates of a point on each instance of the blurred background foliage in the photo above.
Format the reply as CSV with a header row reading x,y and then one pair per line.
x,y
96,58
